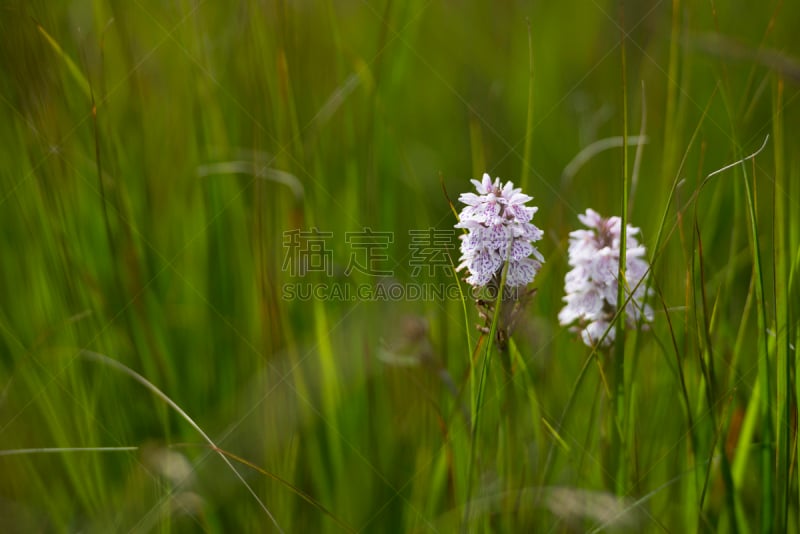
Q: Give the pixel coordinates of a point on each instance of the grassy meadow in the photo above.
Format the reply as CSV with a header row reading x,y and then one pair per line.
x,y
214,215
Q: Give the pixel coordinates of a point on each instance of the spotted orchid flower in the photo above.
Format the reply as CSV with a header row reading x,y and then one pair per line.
x,y
591,285
498,225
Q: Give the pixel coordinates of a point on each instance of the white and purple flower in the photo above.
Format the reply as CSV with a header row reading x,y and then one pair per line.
x,y
591,286
498,225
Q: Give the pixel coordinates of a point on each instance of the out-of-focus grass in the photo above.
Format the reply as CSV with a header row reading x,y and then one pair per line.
x,y
150,229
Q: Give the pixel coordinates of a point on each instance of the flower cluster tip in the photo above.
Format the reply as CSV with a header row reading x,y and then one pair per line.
x,y
591,285
498,224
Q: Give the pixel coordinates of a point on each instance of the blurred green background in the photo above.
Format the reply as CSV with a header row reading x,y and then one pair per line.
x,y
155,153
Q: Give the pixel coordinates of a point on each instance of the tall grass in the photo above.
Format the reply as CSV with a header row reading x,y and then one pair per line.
x,y
155,155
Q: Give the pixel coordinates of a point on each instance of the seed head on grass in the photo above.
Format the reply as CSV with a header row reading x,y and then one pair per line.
x,y
591,284
499,228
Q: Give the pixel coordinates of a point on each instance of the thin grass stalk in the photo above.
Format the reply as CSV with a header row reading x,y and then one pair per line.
x,y
703,354
114,364
780,265
481,386
764,371
670,114
526,152
618,399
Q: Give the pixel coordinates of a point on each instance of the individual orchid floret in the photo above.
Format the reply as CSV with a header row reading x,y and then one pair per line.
x,y
591,285
498,225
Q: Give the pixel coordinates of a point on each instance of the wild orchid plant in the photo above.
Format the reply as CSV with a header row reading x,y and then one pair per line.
x,y
499,229
591,286
497,250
